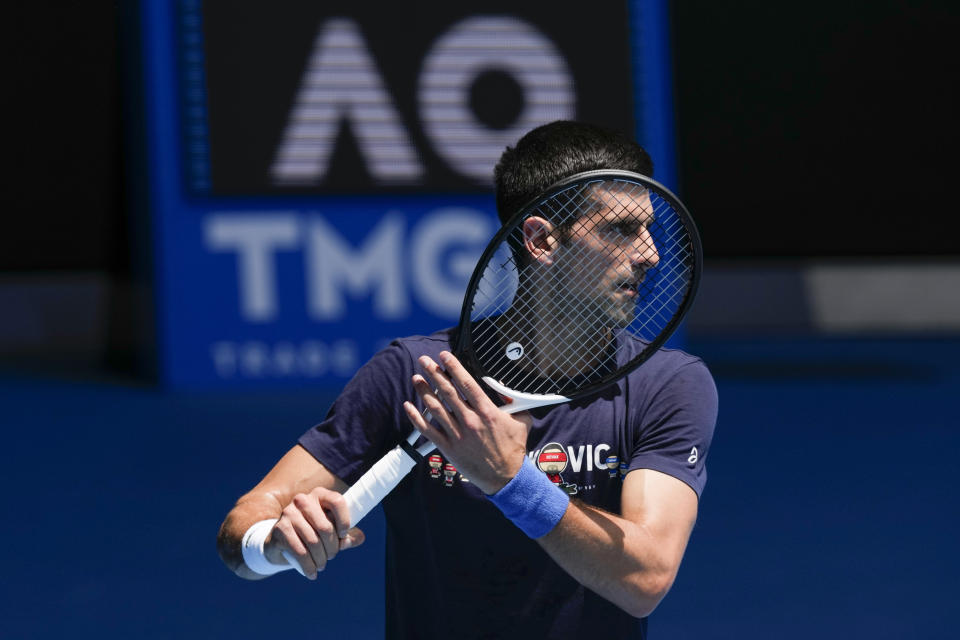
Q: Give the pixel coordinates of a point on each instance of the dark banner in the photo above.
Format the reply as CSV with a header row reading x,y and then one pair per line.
x,y
337,97
319,173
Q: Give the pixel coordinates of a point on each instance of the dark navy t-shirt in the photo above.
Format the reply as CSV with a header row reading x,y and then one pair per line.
x,y
456,567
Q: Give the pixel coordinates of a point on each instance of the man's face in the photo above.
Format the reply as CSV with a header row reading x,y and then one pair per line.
x,y
605,254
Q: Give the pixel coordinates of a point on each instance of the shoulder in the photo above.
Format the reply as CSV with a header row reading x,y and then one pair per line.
x,y
676,364
398,359
668,366
420,345
673,380
673,414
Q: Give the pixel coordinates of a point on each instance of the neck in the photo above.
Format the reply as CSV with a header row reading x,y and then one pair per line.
x,y
564,343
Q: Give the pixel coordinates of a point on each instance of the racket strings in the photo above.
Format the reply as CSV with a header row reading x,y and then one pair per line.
x,y
565,363
675,273
569,318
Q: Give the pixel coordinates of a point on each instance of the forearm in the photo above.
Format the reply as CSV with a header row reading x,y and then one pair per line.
x,y
616,558
250,509
296,473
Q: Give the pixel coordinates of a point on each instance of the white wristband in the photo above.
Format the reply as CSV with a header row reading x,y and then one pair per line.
x,y
252,547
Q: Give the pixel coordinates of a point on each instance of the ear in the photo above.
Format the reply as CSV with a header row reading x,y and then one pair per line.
x,y
539,240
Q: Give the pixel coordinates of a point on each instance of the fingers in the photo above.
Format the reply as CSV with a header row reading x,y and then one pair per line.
x,y
310,529
454,399
446,389
354,538
440,385
438,411
286,537
335,507
465,382
316,530
525,418
437,435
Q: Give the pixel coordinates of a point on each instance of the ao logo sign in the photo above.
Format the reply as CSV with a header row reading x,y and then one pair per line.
x,y
341,82
432,260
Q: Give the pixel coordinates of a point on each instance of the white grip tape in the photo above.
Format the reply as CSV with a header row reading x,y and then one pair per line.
x,y
251,546
377,482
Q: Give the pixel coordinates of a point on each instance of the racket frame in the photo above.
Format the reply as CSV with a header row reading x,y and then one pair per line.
x,y
380,479
464,345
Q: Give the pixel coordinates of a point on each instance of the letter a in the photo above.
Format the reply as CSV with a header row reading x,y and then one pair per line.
x,y
341,82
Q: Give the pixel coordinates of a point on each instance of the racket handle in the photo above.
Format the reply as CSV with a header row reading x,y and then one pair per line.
x,y
370,490
377,482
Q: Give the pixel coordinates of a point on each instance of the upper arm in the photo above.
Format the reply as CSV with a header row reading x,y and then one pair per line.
x,y
367,419
665,507
674,428
667,464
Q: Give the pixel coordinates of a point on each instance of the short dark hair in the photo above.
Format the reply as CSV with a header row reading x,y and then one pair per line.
x,y
556,150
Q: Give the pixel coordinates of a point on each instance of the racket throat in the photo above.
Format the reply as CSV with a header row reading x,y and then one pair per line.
x,y
518,401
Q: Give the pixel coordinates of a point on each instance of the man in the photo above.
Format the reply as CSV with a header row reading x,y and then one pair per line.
x,y
470,553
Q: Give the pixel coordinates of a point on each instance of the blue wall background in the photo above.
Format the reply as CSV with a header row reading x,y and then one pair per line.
x,y
830,509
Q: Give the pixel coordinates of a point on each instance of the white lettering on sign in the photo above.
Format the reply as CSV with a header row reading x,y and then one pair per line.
x,y
335,269
387,268
254,238
440,283
310,359
342,83
469,48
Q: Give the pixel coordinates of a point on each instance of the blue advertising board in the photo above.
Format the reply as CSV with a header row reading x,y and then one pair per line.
x,y
319,184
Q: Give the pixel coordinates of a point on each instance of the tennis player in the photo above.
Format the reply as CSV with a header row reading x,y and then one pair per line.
x,y
562,522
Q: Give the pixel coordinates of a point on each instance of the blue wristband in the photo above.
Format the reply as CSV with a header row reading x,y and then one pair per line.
x,y
531,501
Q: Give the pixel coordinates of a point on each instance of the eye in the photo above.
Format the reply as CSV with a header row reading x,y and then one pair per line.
x,y
621,229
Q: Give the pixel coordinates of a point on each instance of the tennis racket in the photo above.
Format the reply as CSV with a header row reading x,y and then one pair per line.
x,y
580,287
575,291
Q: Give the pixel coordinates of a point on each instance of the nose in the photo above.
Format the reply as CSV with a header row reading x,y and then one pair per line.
x,y
644,252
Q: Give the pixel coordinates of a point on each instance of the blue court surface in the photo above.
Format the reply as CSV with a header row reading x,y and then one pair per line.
x,y
830,511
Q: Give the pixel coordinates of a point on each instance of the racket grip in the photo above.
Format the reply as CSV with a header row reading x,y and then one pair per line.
x,y
377,482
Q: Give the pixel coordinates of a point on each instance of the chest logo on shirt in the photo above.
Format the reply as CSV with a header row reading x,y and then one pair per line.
x,y
435,462
555,460
439,468
552,460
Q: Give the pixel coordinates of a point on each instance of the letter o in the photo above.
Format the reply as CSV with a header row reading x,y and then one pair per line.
x,y
484,43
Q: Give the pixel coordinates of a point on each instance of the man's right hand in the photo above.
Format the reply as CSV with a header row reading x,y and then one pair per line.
x,y
312,529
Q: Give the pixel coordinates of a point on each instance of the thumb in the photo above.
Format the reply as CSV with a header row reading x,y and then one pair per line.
x,y
353,538
522,416
525,418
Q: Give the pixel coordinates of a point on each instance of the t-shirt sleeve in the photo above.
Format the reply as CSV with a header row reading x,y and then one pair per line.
x,y
677,426
367,418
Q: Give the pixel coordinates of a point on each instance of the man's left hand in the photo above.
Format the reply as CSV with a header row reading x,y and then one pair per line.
x,y
483,442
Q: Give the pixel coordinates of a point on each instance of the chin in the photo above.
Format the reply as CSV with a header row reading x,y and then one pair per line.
x,y
615,314
624,313
620,321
